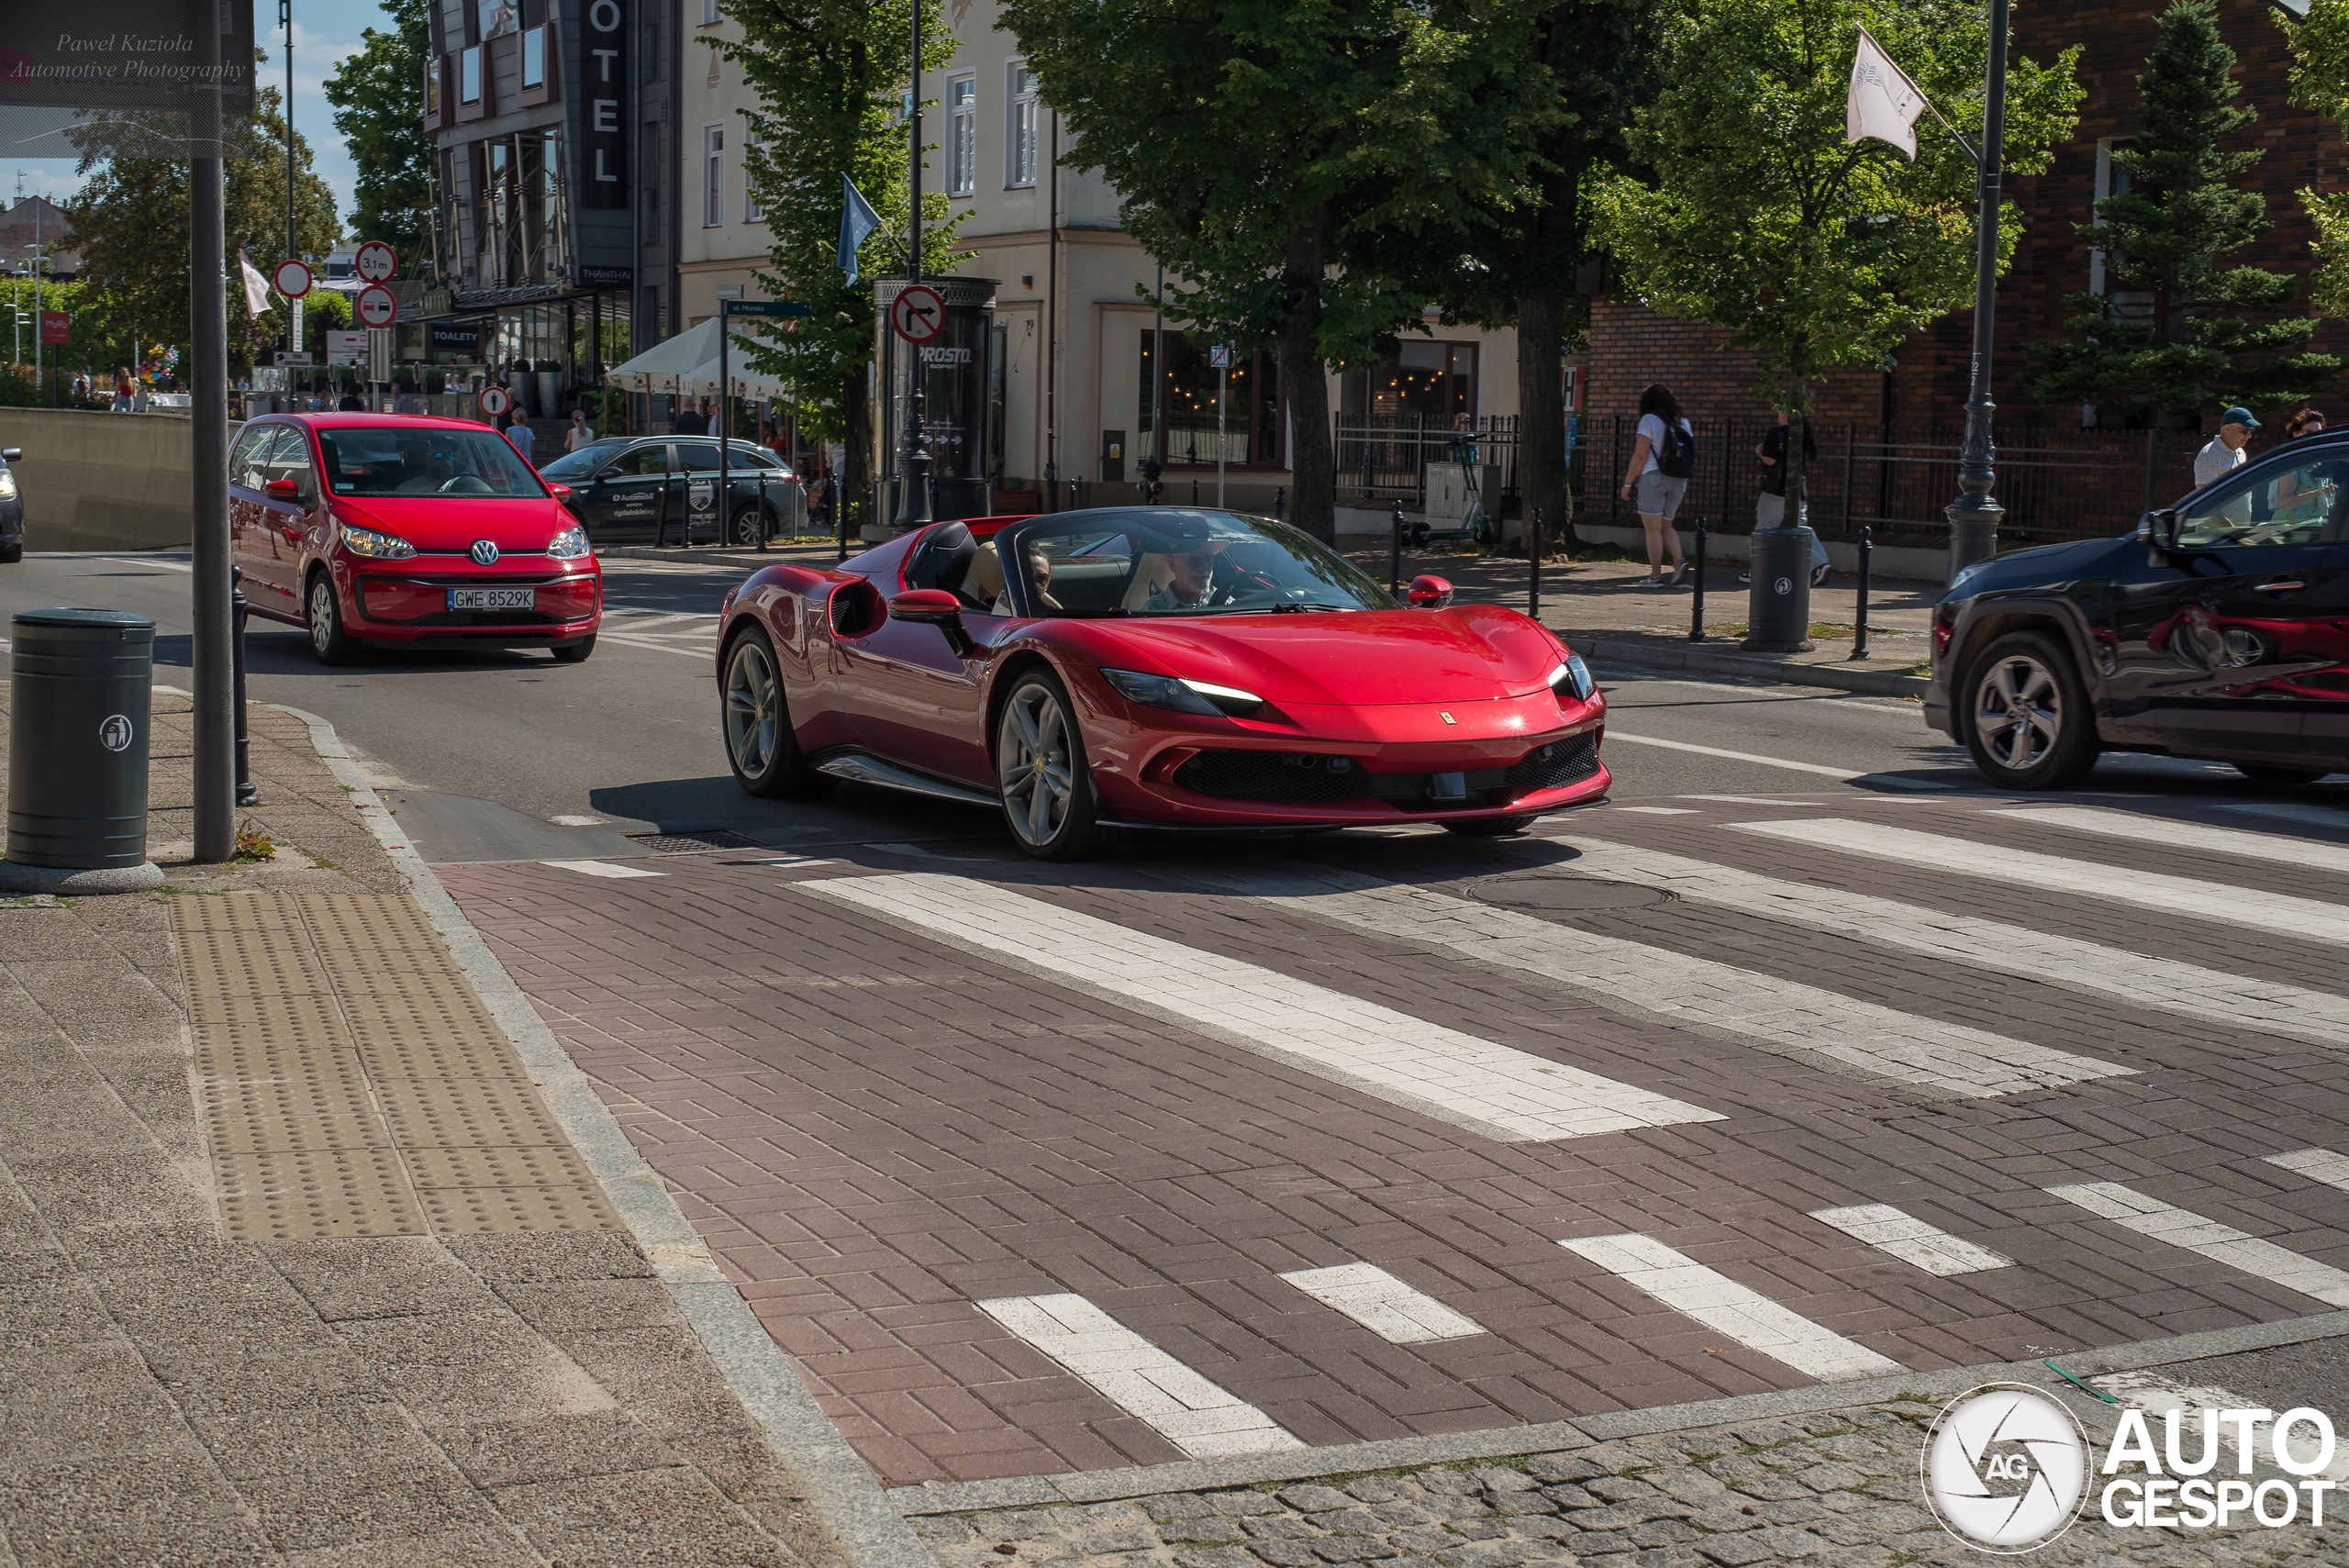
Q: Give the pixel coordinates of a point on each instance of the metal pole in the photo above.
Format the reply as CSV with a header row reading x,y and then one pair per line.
x,y
1394,551
1697,605
840,515
293,308
2152,468
246,794
1533,557
1280,504
726,439
763,511
913,460
213,634
1860,632
1973,516
1222,388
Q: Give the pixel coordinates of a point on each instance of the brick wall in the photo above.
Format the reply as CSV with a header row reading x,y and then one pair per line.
x,y
1632,346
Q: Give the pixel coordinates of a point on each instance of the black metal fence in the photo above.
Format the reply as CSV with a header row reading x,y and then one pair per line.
x,y
2055,483
1383,460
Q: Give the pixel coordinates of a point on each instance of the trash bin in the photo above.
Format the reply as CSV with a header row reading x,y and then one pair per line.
x,y
1777,618
77,739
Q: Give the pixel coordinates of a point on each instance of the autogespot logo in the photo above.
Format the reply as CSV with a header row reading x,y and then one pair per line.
x,y
2005,1468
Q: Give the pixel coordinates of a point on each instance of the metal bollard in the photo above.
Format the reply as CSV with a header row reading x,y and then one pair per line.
x,y
1533,556
1697,606
1280,505
1195,491
80,683
246,794
763,511
1860,631
1395,553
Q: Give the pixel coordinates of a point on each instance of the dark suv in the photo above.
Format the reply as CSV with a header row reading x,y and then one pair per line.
x,y
11,510
2219,629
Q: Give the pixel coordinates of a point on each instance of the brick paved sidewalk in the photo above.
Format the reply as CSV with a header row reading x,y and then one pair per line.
x,y
295,1265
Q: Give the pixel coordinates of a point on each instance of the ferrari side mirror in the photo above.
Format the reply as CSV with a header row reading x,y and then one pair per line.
x,y
934,606
1429,593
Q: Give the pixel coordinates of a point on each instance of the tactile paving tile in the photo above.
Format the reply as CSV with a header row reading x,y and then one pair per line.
x,y
353,1083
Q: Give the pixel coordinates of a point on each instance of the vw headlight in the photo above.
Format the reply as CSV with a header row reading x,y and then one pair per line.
x,y
1574,676
375,546
8,485
570,544
1181,695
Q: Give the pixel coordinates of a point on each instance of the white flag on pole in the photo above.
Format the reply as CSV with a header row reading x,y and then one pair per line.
x,y
256,286
1884,103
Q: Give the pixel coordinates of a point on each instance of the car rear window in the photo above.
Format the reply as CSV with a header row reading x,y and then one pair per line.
x,y
401,460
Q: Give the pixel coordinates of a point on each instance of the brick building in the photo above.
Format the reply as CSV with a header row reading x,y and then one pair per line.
x,y
1631,346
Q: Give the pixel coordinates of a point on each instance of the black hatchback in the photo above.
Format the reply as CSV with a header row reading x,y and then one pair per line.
x,y
2219,629
645,487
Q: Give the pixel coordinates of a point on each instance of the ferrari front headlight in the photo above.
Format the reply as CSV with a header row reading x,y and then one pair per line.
x,y
1181,695
1572,677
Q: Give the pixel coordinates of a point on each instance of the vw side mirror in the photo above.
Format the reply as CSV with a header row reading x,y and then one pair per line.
x,y
934,606
281,489
560,492
1429,593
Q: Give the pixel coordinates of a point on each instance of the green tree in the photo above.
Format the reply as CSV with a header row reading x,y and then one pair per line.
x,y
831,77
378,97
2180,345
1814,252
1289,160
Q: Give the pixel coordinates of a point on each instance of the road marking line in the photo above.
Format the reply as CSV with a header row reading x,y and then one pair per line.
x,y
1662,810
705,654
159,565
2210,1239
2194,898
1910,1240
1732,1310
601,868
1187,1409
2170,832
2159,1394
917,852
1503,1093
1383,1305
1846,774
2318,1164
2317,815
2162,983
572,820
1654,982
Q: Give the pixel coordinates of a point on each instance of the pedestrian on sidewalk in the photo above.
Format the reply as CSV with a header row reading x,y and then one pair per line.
x,y
519,432
1662,457
2309,421
691,421
2224,454
581,432
1770,506
122,384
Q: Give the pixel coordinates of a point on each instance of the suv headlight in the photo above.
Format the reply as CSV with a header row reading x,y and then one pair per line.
x,y
375,546
8,485
1574,676
1181,695
570,544
1964,573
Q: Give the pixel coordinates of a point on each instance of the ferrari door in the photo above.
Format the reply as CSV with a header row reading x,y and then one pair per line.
x,y
2235,644
911,696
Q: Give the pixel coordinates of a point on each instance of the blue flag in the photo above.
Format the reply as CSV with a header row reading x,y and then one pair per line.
x,y
857,220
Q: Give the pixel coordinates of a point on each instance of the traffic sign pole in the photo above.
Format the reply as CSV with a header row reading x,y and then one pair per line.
x,y
913,449
212,641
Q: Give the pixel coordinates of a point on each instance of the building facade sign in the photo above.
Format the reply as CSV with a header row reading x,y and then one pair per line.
x,y
602,177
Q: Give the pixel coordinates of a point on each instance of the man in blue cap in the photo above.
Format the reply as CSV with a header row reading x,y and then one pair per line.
x,y
2225,453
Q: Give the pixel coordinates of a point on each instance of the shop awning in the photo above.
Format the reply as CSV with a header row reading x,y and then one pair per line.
x,y
686,366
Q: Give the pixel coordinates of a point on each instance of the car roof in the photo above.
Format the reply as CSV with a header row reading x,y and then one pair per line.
x,y
335,421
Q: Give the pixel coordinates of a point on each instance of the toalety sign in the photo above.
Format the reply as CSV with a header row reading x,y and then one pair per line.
x,y
2007,1468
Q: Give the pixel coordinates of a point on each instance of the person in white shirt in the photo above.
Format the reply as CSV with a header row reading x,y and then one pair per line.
x,y
2224,454
580,434
1659,492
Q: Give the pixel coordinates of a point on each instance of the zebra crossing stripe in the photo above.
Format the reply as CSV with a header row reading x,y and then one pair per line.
x,y
2169,831
602,868
1912,1239
1796,1018
2162,985
2317,1164
2210,1239
1732,1310
1193,1414
2188,897
1382,1304
1501,1093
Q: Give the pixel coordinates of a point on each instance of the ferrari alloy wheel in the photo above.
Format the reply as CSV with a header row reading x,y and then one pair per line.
x,y
759,742
1040,763
2027,722
328,640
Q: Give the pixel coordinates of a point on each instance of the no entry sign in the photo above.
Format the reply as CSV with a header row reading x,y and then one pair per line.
x,y
917,314
376,261
376,307
495,400
292,278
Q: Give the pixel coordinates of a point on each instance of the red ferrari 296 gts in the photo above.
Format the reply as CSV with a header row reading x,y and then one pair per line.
x,y
1152,668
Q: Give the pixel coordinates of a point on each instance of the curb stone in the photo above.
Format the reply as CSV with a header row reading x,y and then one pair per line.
x,y
842,1489
1782,672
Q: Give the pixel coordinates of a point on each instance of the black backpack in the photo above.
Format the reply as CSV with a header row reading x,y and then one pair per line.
x,y
1677,459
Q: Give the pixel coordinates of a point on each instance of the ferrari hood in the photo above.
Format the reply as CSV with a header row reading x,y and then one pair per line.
x,y
449,524
1359,658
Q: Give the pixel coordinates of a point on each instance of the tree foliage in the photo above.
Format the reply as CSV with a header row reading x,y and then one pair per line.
x,y
378,97
1285,159
1816,253
2181,344
2319,45
831,77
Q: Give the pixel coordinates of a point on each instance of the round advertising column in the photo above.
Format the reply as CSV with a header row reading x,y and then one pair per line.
x,y
78,704
958,381
1777,618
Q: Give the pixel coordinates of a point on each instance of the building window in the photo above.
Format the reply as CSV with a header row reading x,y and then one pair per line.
x,y
1250,427
469,75
709,18
1020,153
751,211
713,182
499,17
650,53
534,57
963,159
1435,383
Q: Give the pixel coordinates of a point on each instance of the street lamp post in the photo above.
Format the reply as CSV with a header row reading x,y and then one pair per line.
x,y
913,446
1973,516
292,307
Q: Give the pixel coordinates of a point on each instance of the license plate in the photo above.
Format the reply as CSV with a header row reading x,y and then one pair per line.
x,y
492,599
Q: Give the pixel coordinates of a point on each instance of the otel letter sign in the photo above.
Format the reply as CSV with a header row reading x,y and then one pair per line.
x,y
602,139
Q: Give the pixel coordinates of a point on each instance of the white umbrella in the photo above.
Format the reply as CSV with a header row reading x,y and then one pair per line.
x,y
664,366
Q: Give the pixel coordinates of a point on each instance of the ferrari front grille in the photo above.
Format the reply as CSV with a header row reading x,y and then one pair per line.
x,y
1279,778
1557,765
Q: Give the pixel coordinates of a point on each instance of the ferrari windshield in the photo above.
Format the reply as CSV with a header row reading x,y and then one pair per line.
x,y
1176,562
401,460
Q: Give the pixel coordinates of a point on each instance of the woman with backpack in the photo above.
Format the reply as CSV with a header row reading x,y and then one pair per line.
x,y
1662,461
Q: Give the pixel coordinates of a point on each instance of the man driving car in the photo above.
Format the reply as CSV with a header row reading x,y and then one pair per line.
x,y
1193,584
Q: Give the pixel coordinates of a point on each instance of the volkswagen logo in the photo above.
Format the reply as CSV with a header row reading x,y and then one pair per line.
x,y
485,552
2005,1468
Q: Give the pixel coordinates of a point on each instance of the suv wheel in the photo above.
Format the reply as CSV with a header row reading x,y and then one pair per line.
x,y
2028,723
